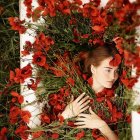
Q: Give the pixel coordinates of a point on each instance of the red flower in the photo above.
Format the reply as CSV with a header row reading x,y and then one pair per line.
x,y
37,134
19,97
95,133
57,72
70,81
119,43
39,59
61,118
76,35
25,115
42,42
84,76
25,52
72,21
85,36
64,7
101,138
27,48
45,118
3,133
17,24
90,11
121,14
98,28
34,84
116,115
116,60
100,99
14,114
128,118
49,7
80,135
97,41
28,4
22,131
71,123
59,106
109,104
55,135
26,71
90,81
129,82
21,74
129,58
12,76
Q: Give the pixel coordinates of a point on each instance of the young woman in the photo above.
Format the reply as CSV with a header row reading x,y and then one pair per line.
x,y
97,63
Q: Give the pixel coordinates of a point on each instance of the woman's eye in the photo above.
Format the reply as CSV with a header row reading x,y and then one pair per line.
x,y
108,70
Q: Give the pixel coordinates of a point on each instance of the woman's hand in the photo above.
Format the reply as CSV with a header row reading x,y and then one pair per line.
x,y
90,121
76,107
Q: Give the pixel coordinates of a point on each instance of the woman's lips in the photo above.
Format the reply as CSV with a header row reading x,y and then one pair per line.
x,y
110,82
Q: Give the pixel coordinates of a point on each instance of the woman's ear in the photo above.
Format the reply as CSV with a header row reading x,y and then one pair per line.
x,y
92,69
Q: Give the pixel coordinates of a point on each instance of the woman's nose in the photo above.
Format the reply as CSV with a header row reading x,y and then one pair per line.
x,y
112,76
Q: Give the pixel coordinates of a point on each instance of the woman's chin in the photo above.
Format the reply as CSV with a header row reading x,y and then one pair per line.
x,y
108,85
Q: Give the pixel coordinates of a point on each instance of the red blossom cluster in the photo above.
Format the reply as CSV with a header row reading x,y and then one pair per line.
x,y
50,7
42,43
20,74
22,117
57,101
128,82
28,4
107,98
3,133
17,97
16,112
17,24
22,131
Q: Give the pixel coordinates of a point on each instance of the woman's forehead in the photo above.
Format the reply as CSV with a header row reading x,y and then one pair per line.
x,y
105,63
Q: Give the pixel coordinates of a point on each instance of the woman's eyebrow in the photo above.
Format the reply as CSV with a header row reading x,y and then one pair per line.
x,y
108,67
111,68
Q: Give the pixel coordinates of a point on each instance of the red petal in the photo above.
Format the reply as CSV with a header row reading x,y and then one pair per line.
x,y
15,94
116,60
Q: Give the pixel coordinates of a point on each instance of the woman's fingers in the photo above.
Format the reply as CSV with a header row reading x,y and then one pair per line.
x,y
72,98
83,100
91,112
84,104
83,109
83,115
80,97
79,123
79,119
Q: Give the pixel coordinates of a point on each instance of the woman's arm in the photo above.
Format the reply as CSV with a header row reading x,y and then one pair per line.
x,y
93,121
107,132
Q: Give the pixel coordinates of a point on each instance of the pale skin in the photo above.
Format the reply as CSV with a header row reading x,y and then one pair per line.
x,y
104,76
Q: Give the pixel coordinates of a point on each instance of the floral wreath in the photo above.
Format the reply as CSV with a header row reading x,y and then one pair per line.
x,y
69,30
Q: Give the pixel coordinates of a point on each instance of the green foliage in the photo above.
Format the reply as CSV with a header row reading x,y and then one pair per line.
x,y
9,40
9,60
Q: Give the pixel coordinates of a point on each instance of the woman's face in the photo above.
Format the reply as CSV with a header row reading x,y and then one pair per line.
x,y
105,75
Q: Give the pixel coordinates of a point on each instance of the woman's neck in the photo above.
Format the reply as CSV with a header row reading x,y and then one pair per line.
x,y
96,86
